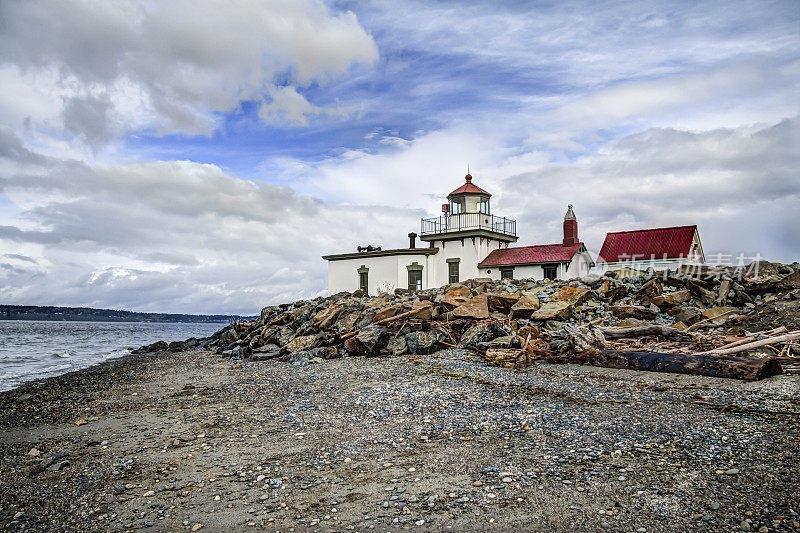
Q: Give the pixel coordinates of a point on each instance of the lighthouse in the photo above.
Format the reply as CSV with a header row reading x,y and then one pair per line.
x,y
466,241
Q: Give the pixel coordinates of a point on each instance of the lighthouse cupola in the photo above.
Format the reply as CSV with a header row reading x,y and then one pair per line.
x,y
469,198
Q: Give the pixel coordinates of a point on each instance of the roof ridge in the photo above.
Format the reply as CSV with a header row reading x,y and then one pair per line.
x,y
651,229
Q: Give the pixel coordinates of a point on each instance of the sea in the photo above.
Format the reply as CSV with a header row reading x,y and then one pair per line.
x,y
31,349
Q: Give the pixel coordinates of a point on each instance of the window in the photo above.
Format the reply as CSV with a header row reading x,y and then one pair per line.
x,y
456,206
363,279
415,280
452,272
507,273
484,206
550,271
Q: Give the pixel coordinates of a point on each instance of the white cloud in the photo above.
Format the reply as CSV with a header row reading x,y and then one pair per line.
x,y
169,236
99,70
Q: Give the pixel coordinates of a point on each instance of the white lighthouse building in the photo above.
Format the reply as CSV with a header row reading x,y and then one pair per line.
x,y
467,241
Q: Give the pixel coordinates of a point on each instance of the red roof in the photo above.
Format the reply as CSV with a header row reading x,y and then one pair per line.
x,y
541,253
468,187
647,243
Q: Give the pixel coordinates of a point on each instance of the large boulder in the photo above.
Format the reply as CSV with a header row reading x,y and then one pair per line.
x,y
617,293
573,295
284,336
714,312
790,282
346,322
477,308
688,315
556,309
632,311
480,332
424,310
525,306
327,317
455,297
650,290
387,312
762,276
306,342
397,345
300,358
701,290
672,299
371,340
424,342
266,352
502,302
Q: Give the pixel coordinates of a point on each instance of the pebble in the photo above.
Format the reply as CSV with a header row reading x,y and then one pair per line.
x,y
419,522
714,506
197,527
477,483
732,471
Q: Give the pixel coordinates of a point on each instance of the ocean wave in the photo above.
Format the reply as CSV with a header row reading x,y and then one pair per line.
x,y
54,368
63,355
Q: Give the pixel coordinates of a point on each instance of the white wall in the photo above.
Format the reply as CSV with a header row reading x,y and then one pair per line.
x,y
383,270
469,254
579,267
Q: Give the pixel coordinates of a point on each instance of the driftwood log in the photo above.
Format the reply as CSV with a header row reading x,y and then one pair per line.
x,y
644,331
720,366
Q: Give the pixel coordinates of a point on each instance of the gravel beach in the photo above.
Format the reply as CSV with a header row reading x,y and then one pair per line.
x,y
441,442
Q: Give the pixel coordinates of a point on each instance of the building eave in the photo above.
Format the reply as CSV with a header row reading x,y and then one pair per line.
x,y
381,253
456,235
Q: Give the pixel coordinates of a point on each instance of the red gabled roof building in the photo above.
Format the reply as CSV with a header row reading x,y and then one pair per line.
x,y
659,246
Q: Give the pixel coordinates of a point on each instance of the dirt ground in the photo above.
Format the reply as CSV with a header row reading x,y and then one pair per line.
x,y
191,441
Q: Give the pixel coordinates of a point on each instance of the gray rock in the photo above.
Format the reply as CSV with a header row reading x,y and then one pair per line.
x,y
397,345
300,358
424,342
476,333
372,339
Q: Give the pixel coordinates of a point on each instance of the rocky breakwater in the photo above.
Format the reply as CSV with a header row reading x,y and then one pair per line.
x,y
728,317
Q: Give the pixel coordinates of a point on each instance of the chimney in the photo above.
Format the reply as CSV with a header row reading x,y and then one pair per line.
x,y
412,240
570,228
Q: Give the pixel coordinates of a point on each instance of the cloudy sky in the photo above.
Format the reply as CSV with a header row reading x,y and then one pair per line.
x,y
200,156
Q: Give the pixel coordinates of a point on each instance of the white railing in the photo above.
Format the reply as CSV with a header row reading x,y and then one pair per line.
x,y
468,221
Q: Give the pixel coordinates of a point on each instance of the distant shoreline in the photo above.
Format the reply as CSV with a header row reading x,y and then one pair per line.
x,y
87,314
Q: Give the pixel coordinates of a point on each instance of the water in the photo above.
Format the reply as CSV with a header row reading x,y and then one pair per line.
x,y
32,349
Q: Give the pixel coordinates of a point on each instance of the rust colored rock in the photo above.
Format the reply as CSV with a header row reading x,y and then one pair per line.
x,y
426,310
525,307
714,312
476,308
502,301
672,299
631,311
326,318
455,298
573,295
617,293
297,344
701,290
557,309
387,313
650,290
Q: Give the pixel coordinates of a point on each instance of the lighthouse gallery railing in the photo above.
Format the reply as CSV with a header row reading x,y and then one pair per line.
x,y
468,221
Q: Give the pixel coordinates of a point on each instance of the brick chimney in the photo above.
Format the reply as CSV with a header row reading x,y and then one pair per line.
x,y
570,228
